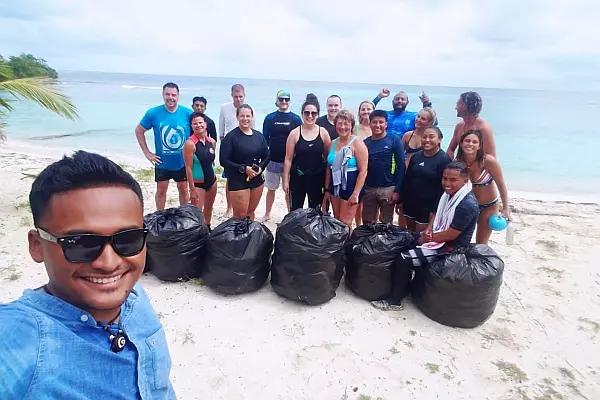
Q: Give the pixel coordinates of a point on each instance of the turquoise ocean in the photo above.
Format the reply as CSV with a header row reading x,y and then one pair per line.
x,y
546,140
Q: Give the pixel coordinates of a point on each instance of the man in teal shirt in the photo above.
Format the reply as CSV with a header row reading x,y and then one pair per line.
x,y
171,125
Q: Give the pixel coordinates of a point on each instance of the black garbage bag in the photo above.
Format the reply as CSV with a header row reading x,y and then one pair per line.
x,y
175,243
460,289
238,256
371,254
308,261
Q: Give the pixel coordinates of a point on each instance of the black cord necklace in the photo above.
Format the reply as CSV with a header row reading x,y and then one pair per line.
x,y
116,336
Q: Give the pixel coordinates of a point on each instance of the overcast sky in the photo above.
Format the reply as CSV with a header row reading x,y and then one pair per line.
x,y
509,43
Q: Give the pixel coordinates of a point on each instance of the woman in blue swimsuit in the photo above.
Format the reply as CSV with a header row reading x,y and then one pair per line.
x,y
347,161
486,176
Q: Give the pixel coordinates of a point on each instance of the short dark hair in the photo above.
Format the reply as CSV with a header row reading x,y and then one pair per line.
x,y
201,99
80,171
473,102
378,114
436,130
336,97
170,85
197,114
247,107
237,87
311,100
460,167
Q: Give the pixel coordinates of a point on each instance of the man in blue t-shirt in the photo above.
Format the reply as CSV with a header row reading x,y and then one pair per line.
x,y
276,129
385,172
457,233
171,125
401,121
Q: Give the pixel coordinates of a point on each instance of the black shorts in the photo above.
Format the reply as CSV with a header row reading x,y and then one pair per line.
x,y
418,213
238,181
161,175
205,185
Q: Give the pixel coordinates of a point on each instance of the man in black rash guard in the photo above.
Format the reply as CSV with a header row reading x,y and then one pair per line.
x,y
276,129
334,105
244,154
385,171
199,105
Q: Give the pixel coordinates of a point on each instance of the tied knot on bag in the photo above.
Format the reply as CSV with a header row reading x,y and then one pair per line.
x,y
243,226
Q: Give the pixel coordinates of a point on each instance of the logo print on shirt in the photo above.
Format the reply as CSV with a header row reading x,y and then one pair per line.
x,y
422,164
172,138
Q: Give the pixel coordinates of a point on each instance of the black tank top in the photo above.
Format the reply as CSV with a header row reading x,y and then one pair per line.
x,y
308,157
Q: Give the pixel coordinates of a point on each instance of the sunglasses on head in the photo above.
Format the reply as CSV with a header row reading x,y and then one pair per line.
x,y
283,99
86,247
310,113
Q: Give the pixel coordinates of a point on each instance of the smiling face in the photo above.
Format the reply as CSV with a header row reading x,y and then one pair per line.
x,y
431,140
343,127
171,97
102,285
244,117
198,125
333,106
423,120
283,103
400,101
378,126
365,109
453,181
470,144
310,114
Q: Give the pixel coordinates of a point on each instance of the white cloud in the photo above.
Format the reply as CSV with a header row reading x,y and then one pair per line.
x,y
527,43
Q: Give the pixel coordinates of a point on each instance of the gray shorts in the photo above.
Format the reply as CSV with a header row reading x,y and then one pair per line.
x,y
273,174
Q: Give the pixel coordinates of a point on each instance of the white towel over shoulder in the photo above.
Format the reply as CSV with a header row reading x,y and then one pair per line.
x,y
445,213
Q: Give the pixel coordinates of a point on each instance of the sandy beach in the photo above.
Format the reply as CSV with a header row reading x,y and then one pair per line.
x,y
542,342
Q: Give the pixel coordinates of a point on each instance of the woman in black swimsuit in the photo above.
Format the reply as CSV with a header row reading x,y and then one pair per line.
x,y
487,179
244,155
304,165
199,157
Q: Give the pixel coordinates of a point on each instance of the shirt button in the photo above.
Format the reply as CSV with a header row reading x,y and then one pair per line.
x,y
84,318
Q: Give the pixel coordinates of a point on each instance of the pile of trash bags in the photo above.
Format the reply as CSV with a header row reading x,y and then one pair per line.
x,y
238,256
371,254
176,243
308,261
460,289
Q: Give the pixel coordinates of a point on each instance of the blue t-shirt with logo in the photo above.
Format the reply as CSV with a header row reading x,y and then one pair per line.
x,y
171,130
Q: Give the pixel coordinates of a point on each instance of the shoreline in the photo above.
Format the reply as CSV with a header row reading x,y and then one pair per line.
x,y
25,148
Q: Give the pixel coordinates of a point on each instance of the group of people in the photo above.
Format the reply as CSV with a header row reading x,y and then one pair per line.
x,y
364,167
89,227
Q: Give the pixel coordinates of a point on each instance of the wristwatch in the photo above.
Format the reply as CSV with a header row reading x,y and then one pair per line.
x,y
242,169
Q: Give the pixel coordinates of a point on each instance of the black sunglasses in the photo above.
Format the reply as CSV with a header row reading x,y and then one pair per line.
x,y
310,113
86,247
283,99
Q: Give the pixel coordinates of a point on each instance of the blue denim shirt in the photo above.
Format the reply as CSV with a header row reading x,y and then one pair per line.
x,y
50,349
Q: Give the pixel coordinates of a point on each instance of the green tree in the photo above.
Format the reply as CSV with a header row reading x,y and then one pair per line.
x,y
38,88
28,66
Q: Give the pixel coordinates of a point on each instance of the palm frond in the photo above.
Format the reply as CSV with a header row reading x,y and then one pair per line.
x,y
41,91
5,72
5,105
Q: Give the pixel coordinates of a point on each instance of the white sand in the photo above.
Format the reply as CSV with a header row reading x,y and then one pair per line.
x,y
260,346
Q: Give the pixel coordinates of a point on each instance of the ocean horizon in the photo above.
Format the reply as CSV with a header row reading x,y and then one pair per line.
x,y
540,134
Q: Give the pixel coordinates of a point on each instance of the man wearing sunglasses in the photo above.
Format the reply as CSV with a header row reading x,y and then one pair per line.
x,y
90,332
276,129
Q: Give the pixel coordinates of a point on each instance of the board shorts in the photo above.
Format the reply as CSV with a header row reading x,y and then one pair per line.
x,y
161,175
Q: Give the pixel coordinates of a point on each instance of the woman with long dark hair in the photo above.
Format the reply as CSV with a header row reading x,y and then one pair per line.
x,y
244,155
487,179
304,165
199,158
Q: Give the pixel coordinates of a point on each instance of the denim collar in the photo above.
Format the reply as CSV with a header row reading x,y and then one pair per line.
x,y
61,310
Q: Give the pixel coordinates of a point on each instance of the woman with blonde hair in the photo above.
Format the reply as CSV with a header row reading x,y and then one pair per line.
x,y
348,160
363,128
412,141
